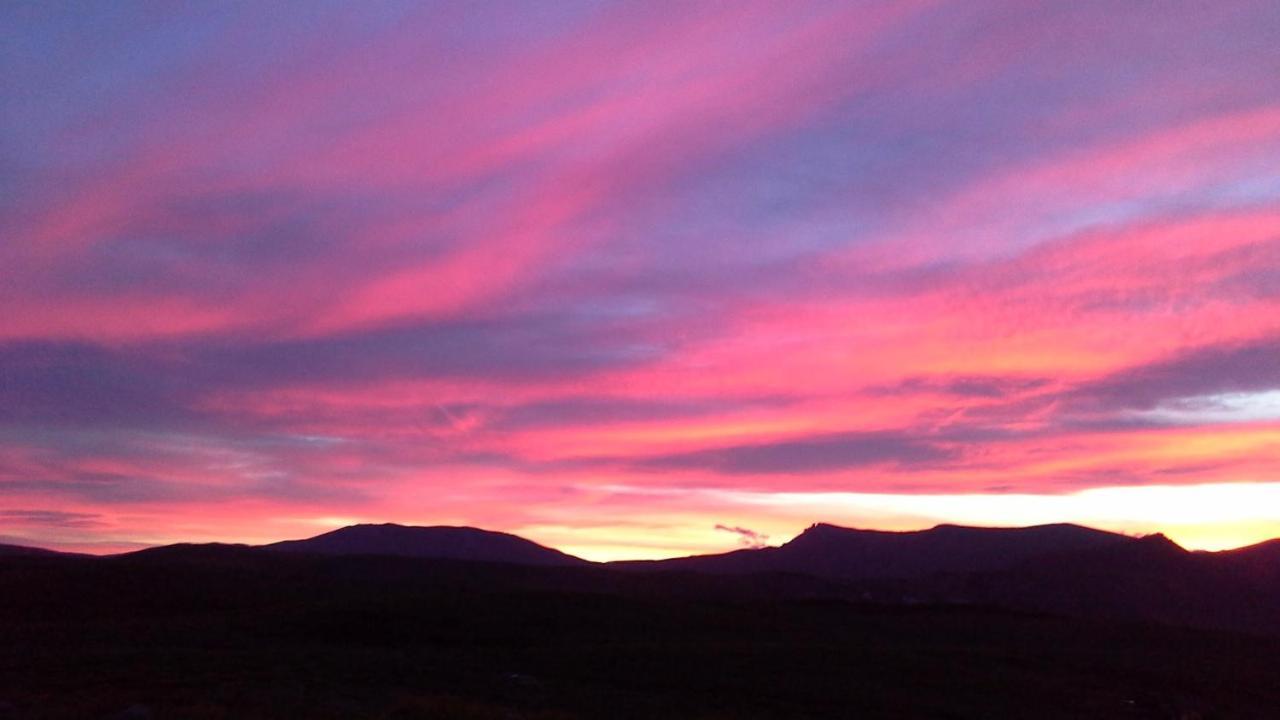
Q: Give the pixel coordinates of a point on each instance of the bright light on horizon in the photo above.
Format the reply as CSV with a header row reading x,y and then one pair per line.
x,y
1211,517
1199,517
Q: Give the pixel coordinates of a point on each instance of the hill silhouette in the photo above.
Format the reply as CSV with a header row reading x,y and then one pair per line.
x,y
839,553
440,542
1061,569
1148,579
1064,625
26,551
1260,561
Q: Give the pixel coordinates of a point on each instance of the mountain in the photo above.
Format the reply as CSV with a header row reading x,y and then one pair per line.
x,y
1261,560
1149,579
838,553
1061,569
222,631
24,551
439,542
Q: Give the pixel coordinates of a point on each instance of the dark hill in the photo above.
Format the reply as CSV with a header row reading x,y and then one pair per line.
x,y
838,553
1150,579
1261,561
440,542
24,551
223,631
1058,569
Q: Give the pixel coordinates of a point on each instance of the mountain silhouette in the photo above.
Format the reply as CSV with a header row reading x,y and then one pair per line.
x,y
1060,569
438,542
839,553
1148,579
217,630
25,551
1261,561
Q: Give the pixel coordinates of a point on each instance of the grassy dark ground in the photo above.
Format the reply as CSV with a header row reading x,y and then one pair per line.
x,y
276,638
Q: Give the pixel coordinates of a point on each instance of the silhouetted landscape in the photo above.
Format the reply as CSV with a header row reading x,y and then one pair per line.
x,y
555,360
385,621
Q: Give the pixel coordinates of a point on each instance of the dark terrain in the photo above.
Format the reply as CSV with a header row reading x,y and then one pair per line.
x,y
960,625
443,543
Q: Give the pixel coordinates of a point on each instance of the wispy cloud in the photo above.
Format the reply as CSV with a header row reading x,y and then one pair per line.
x,y
746,536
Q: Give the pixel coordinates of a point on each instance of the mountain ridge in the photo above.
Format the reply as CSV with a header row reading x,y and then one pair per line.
x,y
841,553
390,539
449,542
10,550
1058,568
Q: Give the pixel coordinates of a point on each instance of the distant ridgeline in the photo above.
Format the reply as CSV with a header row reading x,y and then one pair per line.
x,y
1059,569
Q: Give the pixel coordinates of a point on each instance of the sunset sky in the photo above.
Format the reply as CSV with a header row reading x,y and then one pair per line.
x,y
638,279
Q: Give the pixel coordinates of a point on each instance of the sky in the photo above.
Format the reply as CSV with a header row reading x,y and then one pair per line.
x,y
638,279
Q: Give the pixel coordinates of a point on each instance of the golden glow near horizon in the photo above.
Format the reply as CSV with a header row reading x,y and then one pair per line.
x,y
1197,517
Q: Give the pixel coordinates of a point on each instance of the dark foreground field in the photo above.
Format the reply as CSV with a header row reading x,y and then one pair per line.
x,y
222,634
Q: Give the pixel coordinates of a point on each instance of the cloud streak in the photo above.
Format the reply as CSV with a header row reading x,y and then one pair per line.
x,y
746,536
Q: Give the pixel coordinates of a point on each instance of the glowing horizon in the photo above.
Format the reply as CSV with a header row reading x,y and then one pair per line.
x,y
610,275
